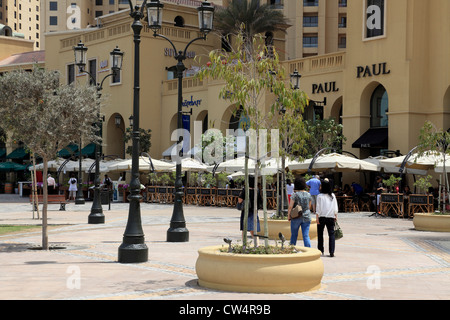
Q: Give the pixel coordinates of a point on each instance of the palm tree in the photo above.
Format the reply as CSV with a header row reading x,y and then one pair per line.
x,y
251,17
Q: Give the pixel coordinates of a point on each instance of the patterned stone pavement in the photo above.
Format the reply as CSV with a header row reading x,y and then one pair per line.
x,y
378,258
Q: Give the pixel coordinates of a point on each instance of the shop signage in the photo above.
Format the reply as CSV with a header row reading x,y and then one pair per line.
x,y
103,64
169,52
326,87
373,70
192,102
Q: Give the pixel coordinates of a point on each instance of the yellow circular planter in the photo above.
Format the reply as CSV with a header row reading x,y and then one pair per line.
x,y
431,222
284,226
260,273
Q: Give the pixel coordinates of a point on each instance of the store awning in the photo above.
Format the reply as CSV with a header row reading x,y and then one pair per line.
x,y
89,150
18,154
71,149
11,166
373,138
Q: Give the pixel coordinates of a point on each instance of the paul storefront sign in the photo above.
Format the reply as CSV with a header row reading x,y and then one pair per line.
x,y
326,87
373,70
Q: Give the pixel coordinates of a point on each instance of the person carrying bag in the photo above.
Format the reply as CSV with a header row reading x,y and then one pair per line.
x,y
326,215
299,213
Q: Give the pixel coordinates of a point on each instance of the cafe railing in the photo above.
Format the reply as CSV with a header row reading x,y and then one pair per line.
x,y
219,197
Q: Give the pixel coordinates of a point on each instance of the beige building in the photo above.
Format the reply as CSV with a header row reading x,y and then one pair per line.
x,y
317,26
392,76
23,18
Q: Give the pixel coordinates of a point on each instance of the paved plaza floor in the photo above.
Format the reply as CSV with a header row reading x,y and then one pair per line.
x,y
377,259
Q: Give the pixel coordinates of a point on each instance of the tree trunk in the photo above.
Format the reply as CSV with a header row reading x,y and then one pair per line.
x,y
34,194
44,207
246,201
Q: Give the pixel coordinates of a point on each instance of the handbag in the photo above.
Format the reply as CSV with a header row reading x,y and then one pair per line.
x,y
240,206
338,234
296,212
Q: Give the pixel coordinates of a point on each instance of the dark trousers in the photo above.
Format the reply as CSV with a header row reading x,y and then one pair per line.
x,y
329,223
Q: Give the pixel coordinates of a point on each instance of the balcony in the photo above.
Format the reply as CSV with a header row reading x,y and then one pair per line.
x,y
317,64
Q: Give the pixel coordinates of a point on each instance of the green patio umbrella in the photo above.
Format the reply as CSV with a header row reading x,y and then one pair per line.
x,y
11,166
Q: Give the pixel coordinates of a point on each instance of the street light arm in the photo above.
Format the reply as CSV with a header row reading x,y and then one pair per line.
x,y
192,41
100,86
155,34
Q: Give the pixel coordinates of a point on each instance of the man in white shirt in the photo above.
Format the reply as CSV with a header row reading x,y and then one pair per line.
x,y
51,184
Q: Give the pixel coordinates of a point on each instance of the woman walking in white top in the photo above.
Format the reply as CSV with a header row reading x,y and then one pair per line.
x,y
326,215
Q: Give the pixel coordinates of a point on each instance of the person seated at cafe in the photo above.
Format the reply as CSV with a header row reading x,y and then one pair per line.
x,y
407,191
357,188
346,191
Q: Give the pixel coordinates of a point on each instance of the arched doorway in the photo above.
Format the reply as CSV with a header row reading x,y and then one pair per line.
x,y
379,107
374,116
203,117
115,143
447,109
336,110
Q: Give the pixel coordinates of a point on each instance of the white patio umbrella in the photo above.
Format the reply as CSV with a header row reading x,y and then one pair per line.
x,y
334,161
192,165
425,162
144,165
75,165
52,164
234,165
391,167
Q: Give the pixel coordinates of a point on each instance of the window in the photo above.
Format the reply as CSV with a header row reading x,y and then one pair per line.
x,y
310,41
179,21
53,6
111,2
374,18
379,104
70,73
93,72
98,2
310,3
310,21
98,13
53,20
117,78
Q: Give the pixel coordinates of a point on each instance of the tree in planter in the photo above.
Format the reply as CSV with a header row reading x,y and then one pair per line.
x,y
46,116
248,76
433,141
423,183
391,181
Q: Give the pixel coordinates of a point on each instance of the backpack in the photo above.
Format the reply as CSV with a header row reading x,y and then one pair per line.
x,y
73,181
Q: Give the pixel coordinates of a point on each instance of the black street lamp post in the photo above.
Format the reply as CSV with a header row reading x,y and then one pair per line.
x,y
133,248
96,216
178,231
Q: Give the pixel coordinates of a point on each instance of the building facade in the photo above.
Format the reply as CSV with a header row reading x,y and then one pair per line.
x,y
23,19
392,76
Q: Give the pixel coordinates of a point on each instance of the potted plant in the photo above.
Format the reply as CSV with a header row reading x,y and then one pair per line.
x,y
392,182
261,268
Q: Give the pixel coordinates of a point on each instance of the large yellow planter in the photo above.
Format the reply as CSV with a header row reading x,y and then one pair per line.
x,y
263,273
284,226
431,222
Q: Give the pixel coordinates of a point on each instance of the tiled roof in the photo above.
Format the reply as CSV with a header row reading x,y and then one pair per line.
x,y
24,58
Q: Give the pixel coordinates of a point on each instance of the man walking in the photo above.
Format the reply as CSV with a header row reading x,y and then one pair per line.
x,y
314,185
